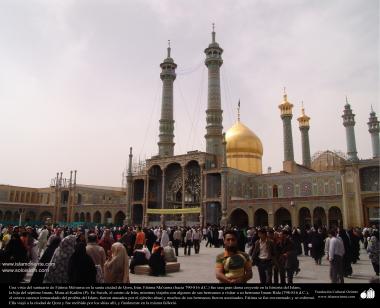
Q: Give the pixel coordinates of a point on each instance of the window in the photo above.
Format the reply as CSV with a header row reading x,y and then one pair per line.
x,y
275,191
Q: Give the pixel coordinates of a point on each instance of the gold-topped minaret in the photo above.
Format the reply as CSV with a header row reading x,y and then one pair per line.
x,y
286,107
286,116
303,119
304,128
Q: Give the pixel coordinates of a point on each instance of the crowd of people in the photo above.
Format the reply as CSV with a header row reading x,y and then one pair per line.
x,y
90,255
275,252
60,254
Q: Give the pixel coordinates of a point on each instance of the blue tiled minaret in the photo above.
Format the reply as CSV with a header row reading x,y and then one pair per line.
x,y
286,116
168,75
304,125
349,123
373,128
214,118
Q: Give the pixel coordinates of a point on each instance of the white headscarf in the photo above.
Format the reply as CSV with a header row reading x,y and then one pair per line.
x,y
164,238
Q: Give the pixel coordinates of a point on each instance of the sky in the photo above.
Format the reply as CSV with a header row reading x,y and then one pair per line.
x,y
80,79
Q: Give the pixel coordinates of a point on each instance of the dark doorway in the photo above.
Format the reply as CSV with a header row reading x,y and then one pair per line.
x,y
239,218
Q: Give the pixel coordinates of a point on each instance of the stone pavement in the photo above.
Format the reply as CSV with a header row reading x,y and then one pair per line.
x,y
200,268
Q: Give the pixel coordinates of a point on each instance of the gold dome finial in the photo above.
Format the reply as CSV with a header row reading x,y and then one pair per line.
x,y
285,95
238,110
285,106
303,119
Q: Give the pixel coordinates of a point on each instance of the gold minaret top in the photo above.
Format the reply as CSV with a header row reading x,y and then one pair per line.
x,y
286,107
244,148
303,119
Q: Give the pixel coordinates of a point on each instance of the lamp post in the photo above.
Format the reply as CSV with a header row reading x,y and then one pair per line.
x,y
20,211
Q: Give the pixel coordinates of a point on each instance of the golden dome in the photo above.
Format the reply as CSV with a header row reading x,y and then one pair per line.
x,y
244,149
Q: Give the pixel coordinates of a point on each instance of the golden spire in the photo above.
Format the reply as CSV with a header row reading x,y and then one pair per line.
x,y
285,95
303,119
286,107
238,110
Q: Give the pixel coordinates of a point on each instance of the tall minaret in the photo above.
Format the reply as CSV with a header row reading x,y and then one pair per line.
x,y
373,128
304,128
214,118
129,188
286,116
165,143
349,123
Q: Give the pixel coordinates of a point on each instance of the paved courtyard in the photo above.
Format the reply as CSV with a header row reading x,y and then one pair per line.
x,y
200,269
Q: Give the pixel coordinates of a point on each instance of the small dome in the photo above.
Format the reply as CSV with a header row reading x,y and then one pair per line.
x,y
327,161
244,149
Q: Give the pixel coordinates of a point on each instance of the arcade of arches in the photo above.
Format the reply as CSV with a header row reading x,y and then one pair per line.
x,y
317,217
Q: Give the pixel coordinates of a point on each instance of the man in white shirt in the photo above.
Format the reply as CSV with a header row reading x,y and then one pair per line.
x,y
220,238
42,240
177,240
336,253
188,241
196,240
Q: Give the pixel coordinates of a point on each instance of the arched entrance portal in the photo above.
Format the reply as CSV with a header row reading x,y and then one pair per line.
x,y
137,214
45,215
138,190
63,214
319,217
282,217
97,217
213,213
8,216
335,217
304,218
107,218
239,218
155,192
371,208
30,217
119,218
261,218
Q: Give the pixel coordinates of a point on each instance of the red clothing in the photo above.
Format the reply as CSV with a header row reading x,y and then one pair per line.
x,y
140,238
106,243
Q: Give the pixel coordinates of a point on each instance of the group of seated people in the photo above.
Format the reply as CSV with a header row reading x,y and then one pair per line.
x,y
156,260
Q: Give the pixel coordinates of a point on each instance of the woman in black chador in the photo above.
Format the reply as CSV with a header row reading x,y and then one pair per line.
x,y
347,257
157,262
14,252
81,266
317,246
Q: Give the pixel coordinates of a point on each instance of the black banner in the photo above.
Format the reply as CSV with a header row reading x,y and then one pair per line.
x,y
175,294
